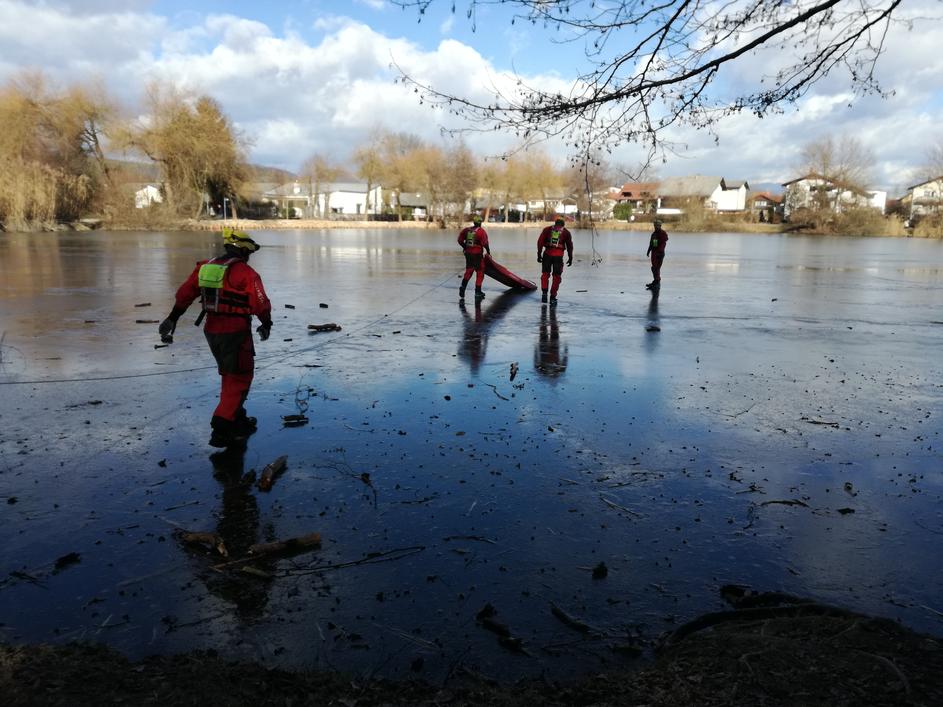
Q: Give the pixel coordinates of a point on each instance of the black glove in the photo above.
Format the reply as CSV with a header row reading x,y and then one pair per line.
x,y
264,330
539,258
569,262
167,329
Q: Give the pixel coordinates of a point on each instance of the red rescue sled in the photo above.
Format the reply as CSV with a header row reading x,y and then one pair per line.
x,y
505,276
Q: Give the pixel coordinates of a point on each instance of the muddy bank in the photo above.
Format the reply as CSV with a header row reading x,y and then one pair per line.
x,y
764,655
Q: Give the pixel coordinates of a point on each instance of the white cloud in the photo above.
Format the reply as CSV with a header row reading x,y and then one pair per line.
x,y
293,96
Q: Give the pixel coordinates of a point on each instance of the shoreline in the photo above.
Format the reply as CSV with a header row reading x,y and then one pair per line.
x,y
320,224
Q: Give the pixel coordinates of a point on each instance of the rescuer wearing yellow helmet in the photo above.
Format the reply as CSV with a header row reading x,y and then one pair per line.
x,y
231,293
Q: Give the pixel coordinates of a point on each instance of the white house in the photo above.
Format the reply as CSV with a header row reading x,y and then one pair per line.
x,y
817,191
147,195
350,198
925,198
878,200
714,193
346,199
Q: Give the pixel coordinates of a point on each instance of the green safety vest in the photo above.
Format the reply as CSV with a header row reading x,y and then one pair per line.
x,y
556,238
215,296
470,236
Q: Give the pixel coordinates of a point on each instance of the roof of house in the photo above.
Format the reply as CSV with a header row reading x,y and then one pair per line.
x,y
734,183
769,196
638,189
355,187
815,176
928,181
256,189
306,188
695,185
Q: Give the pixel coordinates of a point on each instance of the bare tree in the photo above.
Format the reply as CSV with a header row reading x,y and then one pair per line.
x,y
844,166
369,161
196,146
400,169
320,171
845,160
461,178
933,169
654,65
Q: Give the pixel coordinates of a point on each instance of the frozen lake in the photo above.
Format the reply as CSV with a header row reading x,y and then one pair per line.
x,y
782,430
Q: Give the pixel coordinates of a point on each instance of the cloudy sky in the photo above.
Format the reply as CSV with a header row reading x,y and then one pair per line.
x,y
316,76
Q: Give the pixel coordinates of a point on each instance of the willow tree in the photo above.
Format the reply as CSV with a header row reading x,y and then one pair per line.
x,y
200,154
651,66
51,158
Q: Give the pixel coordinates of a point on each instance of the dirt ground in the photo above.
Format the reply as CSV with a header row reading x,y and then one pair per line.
x,y
761,654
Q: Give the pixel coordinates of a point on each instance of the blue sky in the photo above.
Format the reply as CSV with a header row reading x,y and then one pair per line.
x,y
314,76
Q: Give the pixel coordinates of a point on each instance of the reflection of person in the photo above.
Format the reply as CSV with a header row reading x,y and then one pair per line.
x,y
474,342
651,342
548,357
552,242
238,526
474,337
231,293
656,248
474,241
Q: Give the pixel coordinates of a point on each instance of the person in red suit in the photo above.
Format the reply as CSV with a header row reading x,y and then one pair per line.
x,y
474,242
551,244
656,248
231,293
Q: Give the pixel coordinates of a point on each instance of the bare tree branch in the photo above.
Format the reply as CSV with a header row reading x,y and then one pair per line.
x,y
654,66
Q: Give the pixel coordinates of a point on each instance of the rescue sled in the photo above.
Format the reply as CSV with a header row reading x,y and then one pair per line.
x,y
505,276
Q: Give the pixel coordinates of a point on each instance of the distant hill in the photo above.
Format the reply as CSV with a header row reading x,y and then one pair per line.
x,y
261,173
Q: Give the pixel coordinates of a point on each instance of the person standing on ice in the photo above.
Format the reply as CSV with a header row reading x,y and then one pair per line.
x,y
474,242
656,248
552,242
231,292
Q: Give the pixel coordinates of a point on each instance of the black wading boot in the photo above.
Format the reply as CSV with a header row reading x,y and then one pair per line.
x,y
543,296
226,433
246,424
479,295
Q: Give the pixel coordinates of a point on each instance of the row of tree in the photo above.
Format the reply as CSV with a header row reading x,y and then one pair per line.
x,y
451,176
59,150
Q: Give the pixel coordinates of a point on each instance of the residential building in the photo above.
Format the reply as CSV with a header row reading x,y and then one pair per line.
x,y
678,194
815,191
641,196
924,198
765,206
305,199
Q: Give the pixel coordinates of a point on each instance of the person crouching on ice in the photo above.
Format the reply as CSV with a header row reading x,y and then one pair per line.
x,y
656,248
552,242
231,293
473,240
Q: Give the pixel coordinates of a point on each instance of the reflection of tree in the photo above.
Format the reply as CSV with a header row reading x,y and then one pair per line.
x,y
238,525
549,359
474,341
